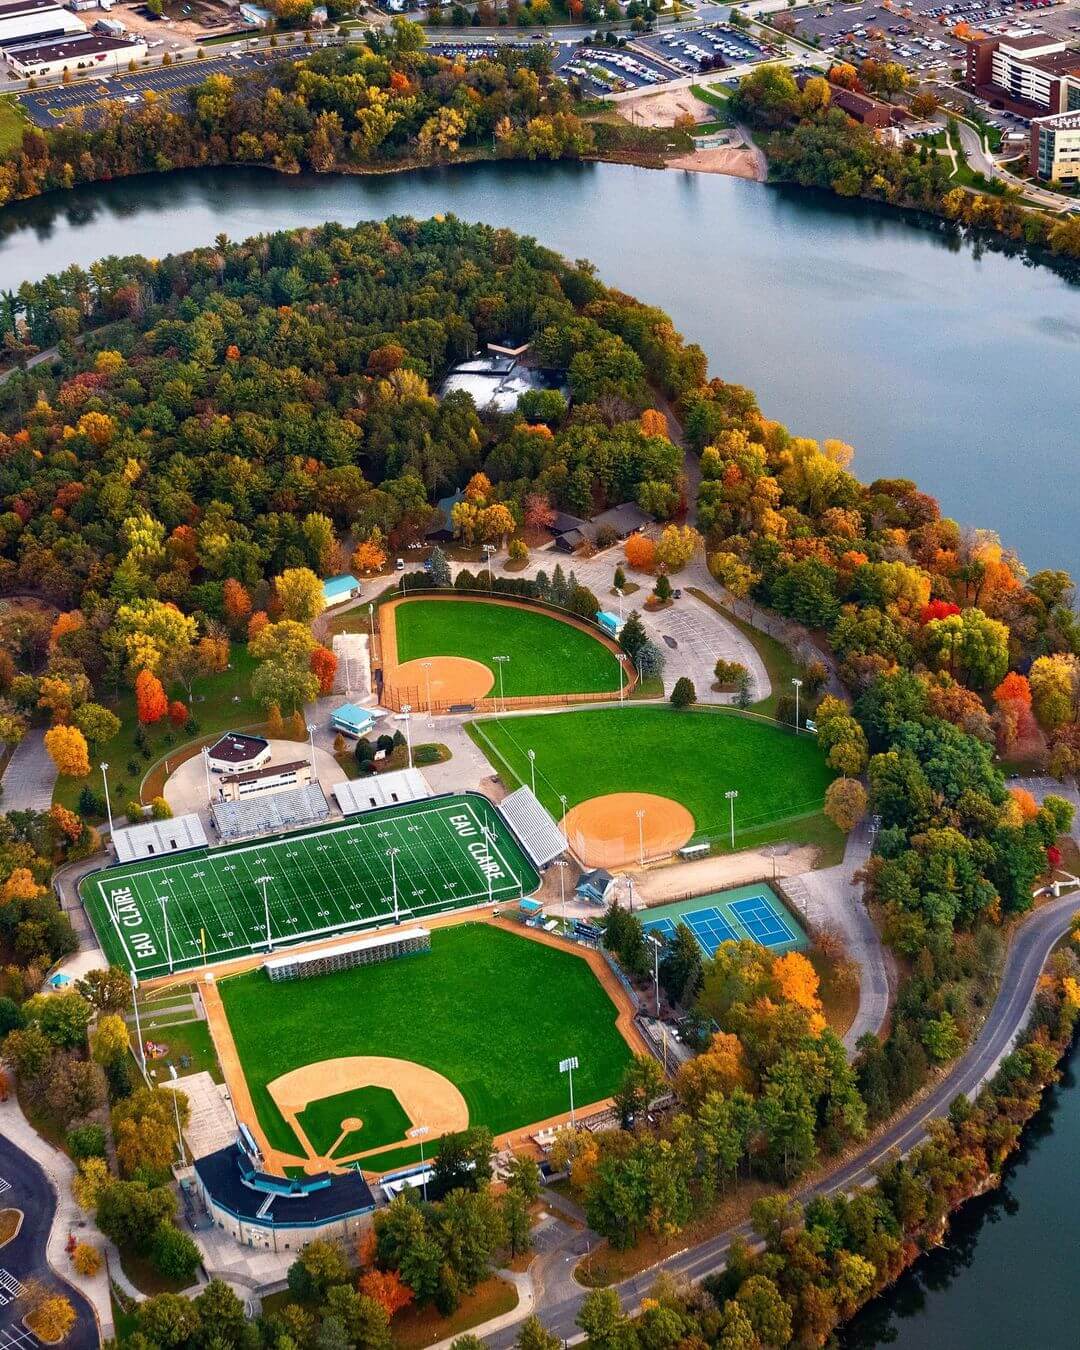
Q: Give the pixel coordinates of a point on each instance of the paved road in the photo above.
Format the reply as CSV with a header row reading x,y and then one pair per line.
x,y
1030,949
30,775
24,1258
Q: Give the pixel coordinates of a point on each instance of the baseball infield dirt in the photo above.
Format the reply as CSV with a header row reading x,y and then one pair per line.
x,y
449,681
605,831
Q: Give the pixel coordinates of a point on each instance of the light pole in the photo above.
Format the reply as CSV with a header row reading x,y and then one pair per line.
x,y
656,969
532,769
562,865
206,772
138,1025
731,794
501,661
311,742
176,1110
108,803
371,624
641,835
427,683
418,1132
264,881
392,853
568,1066
163,900
487,860
798,686
406,710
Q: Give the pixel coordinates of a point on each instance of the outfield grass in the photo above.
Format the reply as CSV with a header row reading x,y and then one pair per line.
x,y
546,655
692,757
491,1011
384,1120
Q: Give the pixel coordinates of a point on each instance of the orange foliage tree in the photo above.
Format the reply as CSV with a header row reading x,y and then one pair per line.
x,y
388,1290
236,602
178,712
69,622
150,701
641,552
1026,803
369,555
654,423
1013,688
323,665
797,980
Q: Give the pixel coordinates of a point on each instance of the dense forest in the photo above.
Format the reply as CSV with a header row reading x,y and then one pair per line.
x,y
815,145
381,104
218,429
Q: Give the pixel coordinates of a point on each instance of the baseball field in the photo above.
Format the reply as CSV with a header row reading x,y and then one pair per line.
x,y
488,1014
545,655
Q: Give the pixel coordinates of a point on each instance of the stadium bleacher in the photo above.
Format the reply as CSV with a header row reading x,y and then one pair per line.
x,y
535,828
274,814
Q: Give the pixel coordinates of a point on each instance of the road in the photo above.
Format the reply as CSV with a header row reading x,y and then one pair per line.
x,y
24,1258
1032,945
985,164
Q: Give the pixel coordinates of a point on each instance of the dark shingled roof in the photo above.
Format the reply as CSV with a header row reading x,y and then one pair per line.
x,y
230,1181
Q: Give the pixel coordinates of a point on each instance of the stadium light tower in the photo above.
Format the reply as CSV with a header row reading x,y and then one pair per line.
x,y
427,682
108,804
406,712
264,881
731,794
798,686
562,865
641,835
501,661
206,771
311,742
138,1025
656,969
532,769
392,853
568,1066
163,901
418,1132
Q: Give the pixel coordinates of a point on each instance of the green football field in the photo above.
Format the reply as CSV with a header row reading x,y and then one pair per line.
x,y
692,757
491,1011
401,862
546,655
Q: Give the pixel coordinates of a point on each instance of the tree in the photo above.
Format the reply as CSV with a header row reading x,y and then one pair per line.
x,y
109,991
49,1316
319,1265
300,594
676,546
523,1175
109,1039
151,701
683,695
845,803
86,1259
67,748
96,723
370,554
439,569
324,667
175,1254
387,1289
235,603
632,635
662,589
63,1018
640,552
533,1335
602,1320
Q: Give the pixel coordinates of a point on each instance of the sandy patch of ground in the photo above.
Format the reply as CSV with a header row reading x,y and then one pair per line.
x,y
735,161
605,831
425,1096
661,109
451,680
703,875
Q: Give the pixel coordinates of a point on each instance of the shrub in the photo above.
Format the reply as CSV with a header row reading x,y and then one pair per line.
x,y
684,694
86,1141
174,1254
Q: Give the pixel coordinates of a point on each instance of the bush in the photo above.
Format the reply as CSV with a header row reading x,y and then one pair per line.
x,y
134,810
729,672
160,809
684,694
662,589
86,1259
90,803
86,1141
174,1254
518,550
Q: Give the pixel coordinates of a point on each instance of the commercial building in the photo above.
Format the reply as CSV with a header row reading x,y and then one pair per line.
x,y
25,22
1031,75
89,52
1055,148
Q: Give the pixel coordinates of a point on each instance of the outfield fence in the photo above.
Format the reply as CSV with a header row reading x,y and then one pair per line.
x,y
395,696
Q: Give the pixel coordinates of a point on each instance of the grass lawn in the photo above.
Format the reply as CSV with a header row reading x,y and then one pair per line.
x,y
491,1011
219,703
546,655
12,124
190,1040
380,1111
692,757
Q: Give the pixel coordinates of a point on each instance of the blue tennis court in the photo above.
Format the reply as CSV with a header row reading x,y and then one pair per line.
x,y
748,914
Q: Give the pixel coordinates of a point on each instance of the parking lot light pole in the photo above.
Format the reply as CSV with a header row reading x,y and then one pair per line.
x,y
798,686
731,794
108,804
568,1066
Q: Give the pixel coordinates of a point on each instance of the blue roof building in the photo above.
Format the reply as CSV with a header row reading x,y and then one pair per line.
x,y
352,720
336,590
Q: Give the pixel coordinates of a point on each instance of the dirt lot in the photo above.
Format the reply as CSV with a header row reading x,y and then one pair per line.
x,y
205,19
661,109
659,885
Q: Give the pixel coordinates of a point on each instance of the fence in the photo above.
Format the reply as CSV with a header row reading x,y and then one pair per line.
x,y
616,970
395,696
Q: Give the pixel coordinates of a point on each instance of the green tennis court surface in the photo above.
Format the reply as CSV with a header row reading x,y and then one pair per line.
x,y
747,913
335,879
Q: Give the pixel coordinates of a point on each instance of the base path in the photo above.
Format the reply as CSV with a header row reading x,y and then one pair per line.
x,y
606,832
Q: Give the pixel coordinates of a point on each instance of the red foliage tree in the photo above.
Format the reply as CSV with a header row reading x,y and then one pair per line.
x,y
938,609
178,713
387,1289
150,700
323,664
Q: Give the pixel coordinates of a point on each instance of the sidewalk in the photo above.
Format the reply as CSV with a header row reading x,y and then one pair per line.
x,y
69,1218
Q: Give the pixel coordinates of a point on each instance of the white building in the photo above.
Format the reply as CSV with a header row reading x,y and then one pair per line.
x,y
236,752
25,22
270,778
91,51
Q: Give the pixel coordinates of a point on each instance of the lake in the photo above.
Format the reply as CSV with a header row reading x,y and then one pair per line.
x,y
938,361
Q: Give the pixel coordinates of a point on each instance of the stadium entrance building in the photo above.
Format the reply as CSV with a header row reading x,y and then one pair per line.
x,y
236,752
279,1214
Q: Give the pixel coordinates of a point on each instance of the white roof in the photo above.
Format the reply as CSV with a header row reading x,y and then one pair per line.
x,y
536,830
350,945
384,789
157,837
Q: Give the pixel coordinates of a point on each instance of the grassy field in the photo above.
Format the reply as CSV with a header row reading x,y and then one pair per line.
x,y
546,655
406,862
384,1121
13,123
491,1011
692,757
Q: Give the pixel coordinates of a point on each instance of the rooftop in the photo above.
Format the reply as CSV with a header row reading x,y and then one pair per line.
x,y
235,747
341,585
253,775
1066,121
497,382
308,1201
72,49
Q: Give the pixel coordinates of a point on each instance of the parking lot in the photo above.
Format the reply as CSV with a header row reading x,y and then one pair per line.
x,y
50,107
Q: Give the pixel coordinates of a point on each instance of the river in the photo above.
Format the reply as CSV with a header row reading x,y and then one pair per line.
x,y
956,367
937,361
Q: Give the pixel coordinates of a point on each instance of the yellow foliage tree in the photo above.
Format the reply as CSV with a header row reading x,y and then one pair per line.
x,y
86,1259
719,1068
676,546
300,594
20,885
797,981
67,748
90,1181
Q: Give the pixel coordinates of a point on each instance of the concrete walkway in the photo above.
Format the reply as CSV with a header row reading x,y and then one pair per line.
x,y
30,775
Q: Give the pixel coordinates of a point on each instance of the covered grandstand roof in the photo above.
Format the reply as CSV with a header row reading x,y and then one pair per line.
x,y
271,814
536,830
384,789
156,838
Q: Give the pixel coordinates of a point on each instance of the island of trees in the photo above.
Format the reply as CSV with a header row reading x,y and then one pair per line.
x,y
216,430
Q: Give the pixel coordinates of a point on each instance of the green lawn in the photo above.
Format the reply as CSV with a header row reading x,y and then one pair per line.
x,y
219,703
692,757
491,1011
546,655
12,124
384,1121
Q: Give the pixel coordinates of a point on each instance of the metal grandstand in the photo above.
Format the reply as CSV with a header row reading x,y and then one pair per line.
x,y
535,828
384,789
273,814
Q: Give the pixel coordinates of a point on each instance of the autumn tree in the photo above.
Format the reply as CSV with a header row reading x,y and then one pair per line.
x,y
67,748
151,701
323,664
675,547
235,603
370,554
640,552
845,803
388,1290
300,594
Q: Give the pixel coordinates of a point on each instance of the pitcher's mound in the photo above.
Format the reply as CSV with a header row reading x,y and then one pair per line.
x,y
604,831
453,679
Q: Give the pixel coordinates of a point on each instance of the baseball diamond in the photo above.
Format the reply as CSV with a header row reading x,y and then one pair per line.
x,y
396,863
